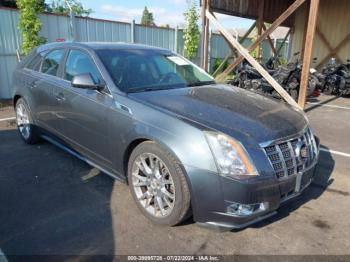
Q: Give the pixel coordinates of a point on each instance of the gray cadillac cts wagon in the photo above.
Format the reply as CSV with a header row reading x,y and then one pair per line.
x,y
185,145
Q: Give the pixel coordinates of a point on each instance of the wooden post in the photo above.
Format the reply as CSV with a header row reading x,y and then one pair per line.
x,y
273,26
250,59
310,34
307,7
260,23
205,36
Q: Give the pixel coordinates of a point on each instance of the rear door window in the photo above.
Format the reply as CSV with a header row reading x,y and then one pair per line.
x,y
52,62
35,63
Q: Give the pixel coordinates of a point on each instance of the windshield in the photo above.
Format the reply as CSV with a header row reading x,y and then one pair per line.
x,y
147,70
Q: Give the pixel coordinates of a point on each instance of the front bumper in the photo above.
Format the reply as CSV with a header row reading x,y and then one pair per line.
x,y
213,194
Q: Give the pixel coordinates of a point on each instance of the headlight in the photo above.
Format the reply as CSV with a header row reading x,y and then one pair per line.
x,y
231,158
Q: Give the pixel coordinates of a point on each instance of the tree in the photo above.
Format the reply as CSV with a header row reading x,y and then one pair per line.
x,y
13,4
61,7
8,3
191,31
147,17
30,24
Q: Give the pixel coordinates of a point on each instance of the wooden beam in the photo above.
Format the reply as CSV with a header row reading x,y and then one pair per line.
x,y
310,34
335,50
230,54
270,42
327,44
273,26
205,36
283,42
250,59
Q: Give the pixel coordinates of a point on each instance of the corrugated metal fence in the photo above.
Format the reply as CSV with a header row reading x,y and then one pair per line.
x,y
57,27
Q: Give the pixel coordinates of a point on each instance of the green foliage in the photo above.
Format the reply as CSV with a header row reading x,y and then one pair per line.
x,y
147,17
283,61
61,7
30,24
217,63
191,31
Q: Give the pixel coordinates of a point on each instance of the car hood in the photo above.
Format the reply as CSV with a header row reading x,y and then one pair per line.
x,y
244,115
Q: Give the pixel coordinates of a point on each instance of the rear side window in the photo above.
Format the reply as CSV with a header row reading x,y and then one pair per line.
x,y
79,63
52,61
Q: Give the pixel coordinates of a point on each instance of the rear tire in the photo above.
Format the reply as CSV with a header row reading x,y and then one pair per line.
x,y
25,125
294,94
312,85
328,89
158,185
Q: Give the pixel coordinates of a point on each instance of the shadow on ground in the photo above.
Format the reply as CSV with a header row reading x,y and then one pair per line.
x,y
320,103
46,207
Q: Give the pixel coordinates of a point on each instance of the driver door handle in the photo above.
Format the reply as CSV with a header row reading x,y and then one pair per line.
x,y
60,97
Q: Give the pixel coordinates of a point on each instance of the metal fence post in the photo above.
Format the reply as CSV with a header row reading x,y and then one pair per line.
x,y
209,50
73,27
132,32
176,39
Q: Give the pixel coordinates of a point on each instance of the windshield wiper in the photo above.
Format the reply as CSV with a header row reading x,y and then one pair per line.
x,y
155,88
147,89
201,83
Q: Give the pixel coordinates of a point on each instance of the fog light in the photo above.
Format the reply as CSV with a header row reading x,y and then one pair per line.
x,y
238,209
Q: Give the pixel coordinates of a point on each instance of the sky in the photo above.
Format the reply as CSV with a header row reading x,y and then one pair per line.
x,y
164,11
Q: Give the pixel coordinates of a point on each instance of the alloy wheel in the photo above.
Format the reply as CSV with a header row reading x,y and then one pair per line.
x,y
153,185
23,121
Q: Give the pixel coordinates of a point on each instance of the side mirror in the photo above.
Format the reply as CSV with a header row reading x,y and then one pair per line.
x,y
85,81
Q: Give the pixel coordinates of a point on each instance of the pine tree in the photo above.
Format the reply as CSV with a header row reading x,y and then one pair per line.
x,y
147,17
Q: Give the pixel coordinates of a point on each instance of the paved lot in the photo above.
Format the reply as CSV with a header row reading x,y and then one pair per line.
x,y
52,203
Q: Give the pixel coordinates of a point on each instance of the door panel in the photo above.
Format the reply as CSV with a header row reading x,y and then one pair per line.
x,y
82,121
82,113
43,88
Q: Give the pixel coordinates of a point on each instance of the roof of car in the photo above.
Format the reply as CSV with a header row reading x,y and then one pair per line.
x,y
99,45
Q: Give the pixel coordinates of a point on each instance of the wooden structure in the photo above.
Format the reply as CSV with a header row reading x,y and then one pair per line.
x,y
332,38
276,13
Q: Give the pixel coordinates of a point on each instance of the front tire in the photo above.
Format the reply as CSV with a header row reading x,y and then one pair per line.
x,y
158,184
25,125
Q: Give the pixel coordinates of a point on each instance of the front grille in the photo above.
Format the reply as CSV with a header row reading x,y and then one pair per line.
x,y
292,156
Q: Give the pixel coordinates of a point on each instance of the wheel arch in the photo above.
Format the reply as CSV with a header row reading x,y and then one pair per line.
x,y
15,99
137,141
132,145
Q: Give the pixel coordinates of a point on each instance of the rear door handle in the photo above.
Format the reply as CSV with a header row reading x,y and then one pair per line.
x,y
60,97
33,84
